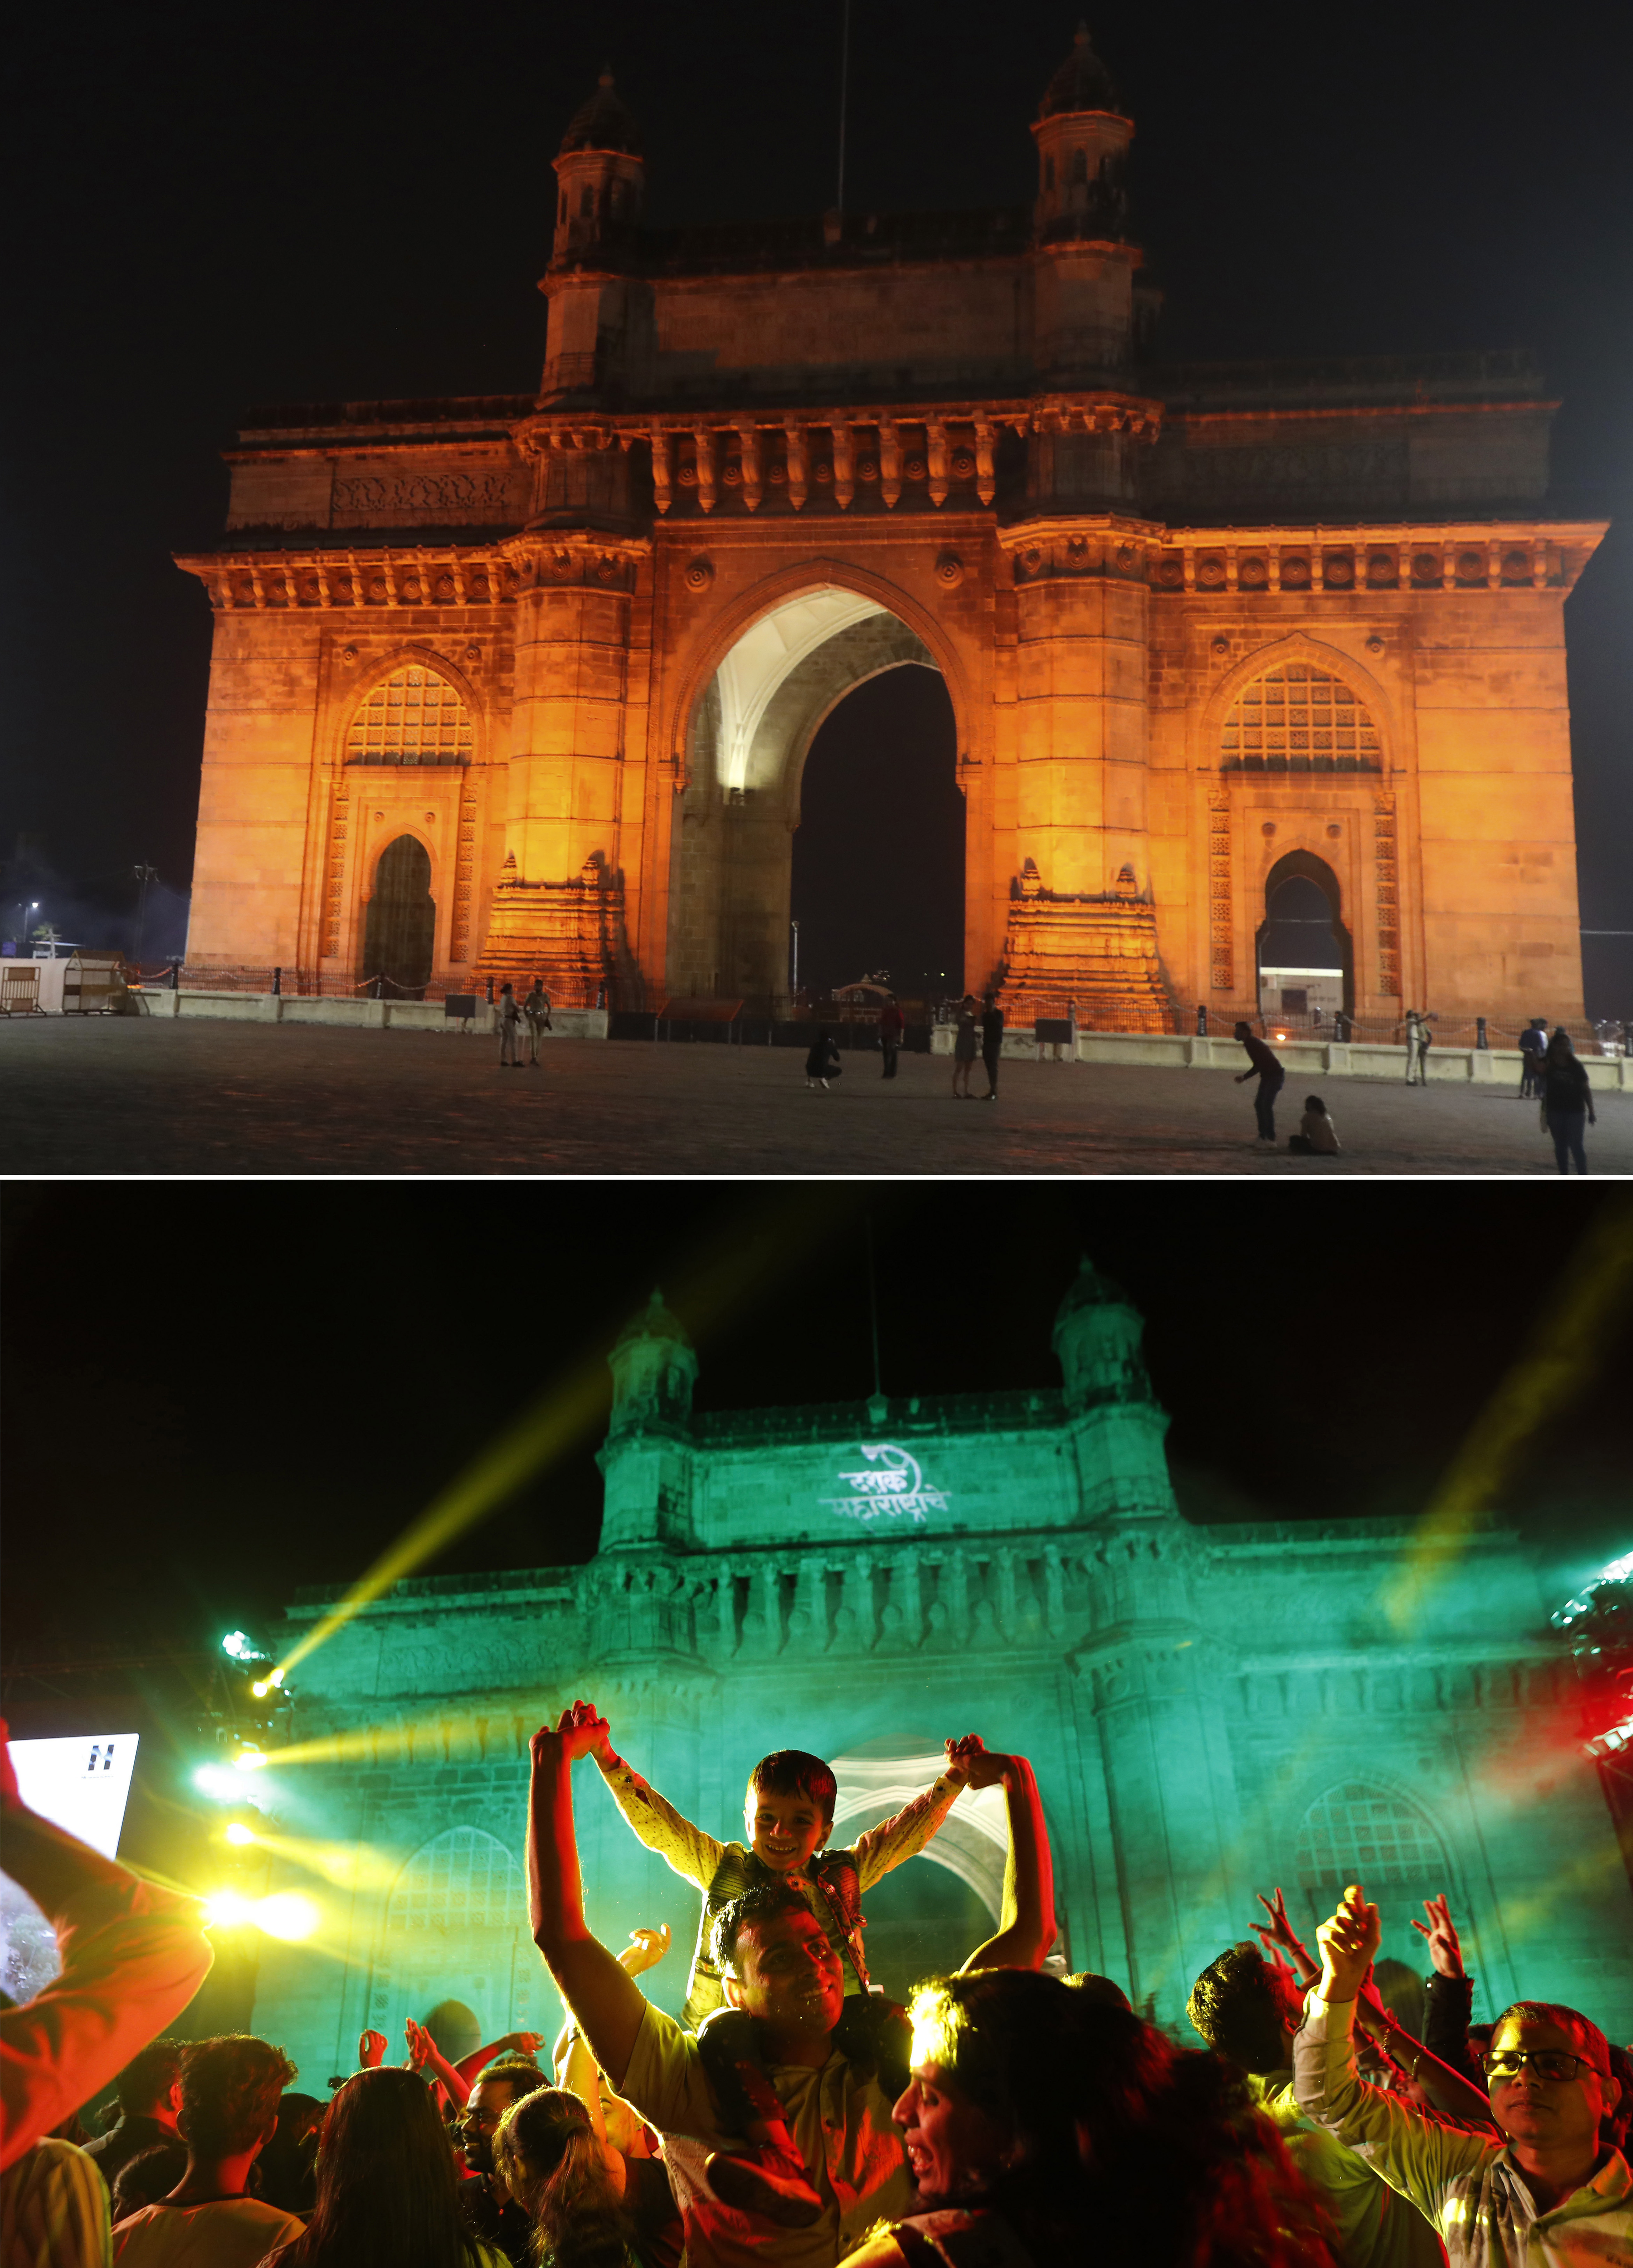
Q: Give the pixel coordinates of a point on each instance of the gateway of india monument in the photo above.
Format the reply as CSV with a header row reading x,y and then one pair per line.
x,y
516,685
1211,1711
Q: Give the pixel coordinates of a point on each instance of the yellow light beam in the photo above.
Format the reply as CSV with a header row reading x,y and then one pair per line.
x,y
731,1268
348,1865
1566,1350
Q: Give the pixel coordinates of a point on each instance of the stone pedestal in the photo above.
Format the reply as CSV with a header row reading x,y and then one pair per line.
x,y
570,933
1097,952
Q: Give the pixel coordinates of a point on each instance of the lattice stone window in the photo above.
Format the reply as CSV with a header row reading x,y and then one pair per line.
x,y
1299,718
1359,1834
462,1879
413,718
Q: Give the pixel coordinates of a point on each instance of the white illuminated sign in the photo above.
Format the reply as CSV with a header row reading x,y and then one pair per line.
x,y
80,1783
891,1487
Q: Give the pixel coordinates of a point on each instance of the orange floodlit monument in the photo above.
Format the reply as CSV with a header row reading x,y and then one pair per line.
x,y
526,685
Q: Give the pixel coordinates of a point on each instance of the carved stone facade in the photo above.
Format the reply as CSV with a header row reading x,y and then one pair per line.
x,y
650,583
1211,1711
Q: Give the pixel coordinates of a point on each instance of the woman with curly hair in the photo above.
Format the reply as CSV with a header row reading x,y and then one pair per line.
x,y
554,2164
387,2191
1044,2126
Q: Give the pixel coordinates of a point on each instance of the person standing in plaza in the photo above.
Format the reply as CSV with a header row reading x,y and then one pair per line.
x,y
536,1008
1417,1049
964,1048
1533,1047
1567,1101
508,1016
893,1025
1266,1069
992,1043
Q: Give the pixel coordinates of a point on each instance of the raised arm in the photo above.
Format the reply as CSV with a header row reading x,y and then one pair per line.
x,y
694,1856
471,2067
602,1996
424,2054
1028,1927
904,1836
133,1956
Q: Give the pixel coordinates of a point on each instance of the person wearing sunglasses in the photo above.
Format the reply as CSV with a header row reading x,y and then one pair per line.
x,y
1553,2192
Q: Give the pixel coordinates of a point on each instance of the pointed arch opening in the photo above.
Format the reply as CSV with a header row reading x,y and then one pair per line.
x,y
1306,954
455,1934
399,934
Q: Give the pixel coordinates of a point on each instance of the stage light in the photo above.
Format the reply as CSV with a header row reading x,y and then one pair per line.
x,y
287,1915
216,1780
249,1759
238,1644
261,1688
229,1909
238,1834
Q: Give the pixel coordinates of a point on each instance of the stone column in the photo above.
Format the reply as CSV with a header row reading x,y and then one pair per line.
x,y
1083,925
558,910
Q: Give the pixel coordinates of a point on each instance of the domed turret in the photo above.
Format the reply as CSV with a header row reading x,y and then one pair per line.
x,y
1083,135
1097,1341
601,176
654,1370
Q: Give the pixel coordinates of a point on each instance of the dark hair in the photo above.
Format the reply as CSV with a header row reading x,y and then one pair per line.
x,y
795,1771
1314,1102
387,2194
519,2070
740,1913
286,2166
1097,1988
1582,2028
1159,2150
148,2176
230,2088
551,2163
1235,2006
148,2076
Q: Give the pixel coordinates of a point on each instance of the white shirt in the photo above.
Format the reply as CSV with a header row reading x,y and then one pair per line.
x,y
1466,2183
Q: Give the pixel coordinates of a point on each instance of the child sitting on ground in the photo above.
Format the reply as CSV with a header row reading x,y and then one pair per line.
x,y
787,1819
1317,1136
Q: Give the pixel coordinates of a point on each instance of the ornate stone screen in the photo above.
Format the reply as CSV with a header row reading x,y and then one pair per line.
x,y
413,718
456,1924
1297,717
1355,1833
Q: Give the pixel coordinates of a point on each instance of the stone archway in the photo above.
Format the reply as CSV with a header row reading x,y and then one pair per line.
x,y
751,732
399,937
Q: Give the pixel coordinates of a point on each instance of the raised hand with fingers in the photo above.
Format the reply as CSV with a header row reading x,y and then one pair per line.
x,y
582,1730
418,2043
1443,1949
964,1757
371,2050
1349,1942
1278,1937
646,1949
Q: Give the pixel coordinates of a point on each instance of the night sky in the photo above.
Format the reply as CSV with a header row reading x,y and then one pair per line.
x,y
213,208
217,1394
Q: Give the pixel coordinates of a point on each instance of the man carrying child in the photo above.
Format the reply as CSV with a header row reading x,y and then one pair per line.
x,y
818,2107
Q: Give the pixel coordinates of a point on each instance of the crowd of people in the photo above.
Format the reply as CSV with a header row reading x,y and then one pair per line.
x,y
1008,2118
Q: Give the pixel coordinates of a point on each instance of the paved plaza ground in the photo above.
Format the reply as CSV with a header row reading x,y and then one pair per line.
x,y
123,1095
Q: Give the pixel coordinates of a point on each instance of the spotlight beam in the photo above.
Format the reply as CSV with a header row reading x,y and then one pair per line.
x,y
739,1265
1565,1351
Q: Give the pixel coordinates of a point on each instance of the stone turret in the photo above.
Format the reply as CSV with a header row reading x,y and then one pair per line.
x,y
1122,1424
1084,265
646,1458
600,177
654,1371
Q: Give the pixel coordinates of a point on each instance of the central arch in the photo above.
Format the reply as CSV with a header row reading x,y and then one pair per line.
x,y
748,738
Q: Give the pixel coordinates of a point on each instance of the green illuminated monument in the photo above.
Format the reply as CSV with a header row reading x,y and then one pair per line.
x,y
1211,1711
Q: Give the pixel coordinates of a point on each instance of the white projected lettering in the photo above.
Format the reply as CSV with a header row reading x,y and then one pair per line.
x,y
890,1487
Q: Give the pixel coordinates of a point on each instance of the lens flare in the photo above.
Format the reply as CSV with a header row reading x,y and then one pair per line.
x,y
287,1915
229,1909
238,1834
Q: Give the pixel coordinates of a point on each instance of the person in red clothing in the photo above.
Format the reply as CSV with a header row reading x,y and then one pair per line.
x,y
892,1025
133,1956
1266,1069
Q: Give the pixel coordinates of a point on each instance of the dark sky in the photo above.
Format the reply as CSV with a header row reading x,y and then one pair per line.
x,y
214,207
216,1394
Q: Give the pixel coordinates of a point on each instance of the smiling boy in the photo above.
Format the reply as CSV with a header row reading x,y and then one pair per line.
x,y
1553,2194
787,1818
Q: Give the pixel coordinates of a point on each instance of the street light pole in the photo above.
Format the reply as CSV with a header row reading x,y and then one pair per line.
x,y
794,986
144,875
